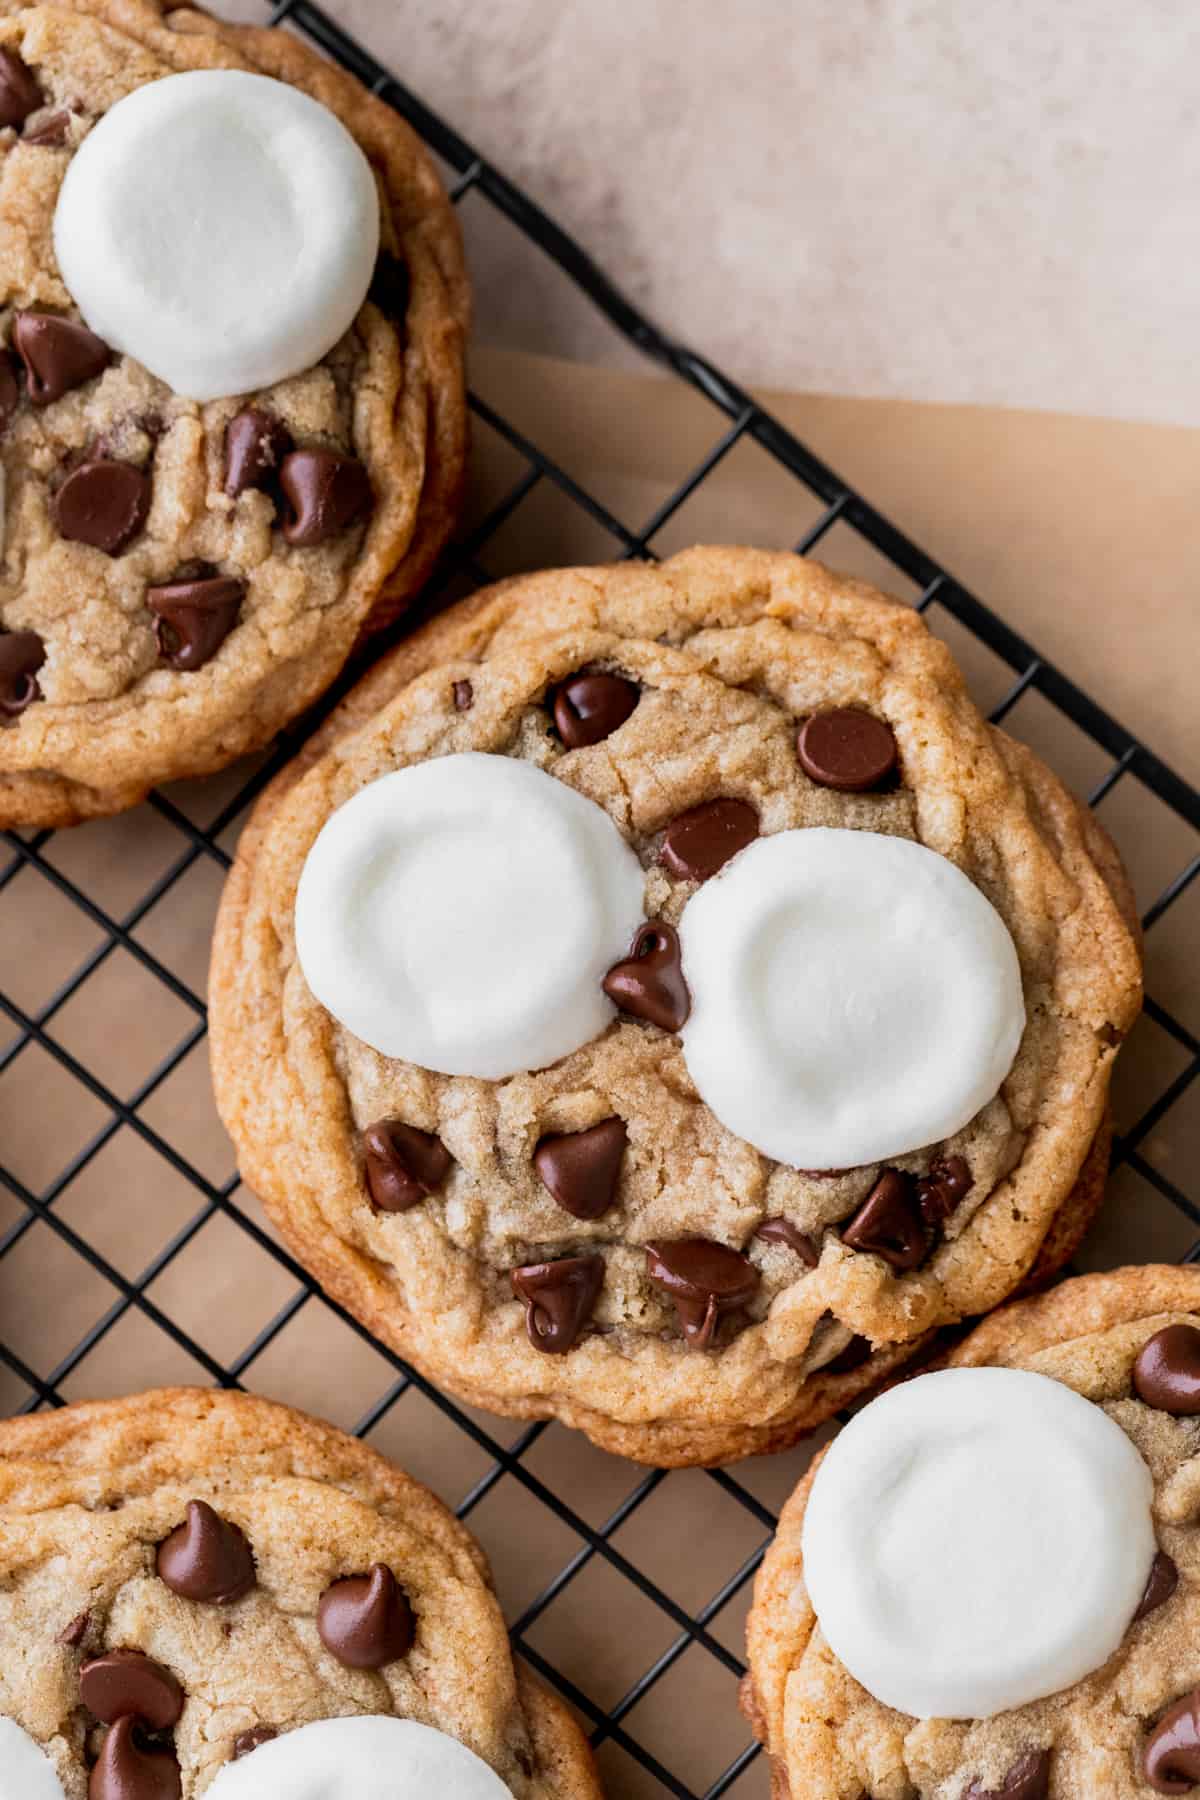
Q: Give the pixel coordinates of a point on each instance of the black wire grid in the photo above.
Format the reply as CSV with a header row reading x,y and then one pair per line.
x,y
736,417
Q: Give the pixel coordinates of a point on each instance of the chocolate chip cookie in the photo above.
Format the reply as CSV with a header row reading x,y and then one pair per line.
x,y
232,414
658,1000
192,1580
1128,1725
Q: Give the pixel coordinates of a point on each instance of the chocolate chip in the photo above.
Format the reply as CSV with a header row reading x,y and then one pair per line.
x,y
704,1280
72,1635
1171,1759
22,654
256,443
51,134
402,1164
590,707
58,354
782,1231
246,1741
858,1351
124,1682
649,983
365,1620
847,749
1160,1585
1028,1779
948,1182
464,696
887,1223
580,1168
1166,1374
20,94
130,1770
192,619
702,840
10,388
325,492
103,504
559,1298
207,1558
390,286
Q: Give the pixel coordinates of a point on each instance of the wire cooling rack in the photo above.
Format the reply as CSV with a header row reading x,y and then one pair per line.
x,y
594,1522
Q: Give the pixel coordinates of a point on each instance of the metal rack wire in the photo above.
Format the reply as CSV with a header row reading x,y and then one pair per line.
x,y
647,1756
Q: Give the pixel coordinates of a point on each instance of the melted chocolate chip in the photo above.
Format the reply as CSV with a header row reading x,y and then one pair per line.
x,y
887,1223
1166,1374
206,1558
58,354
782,1231
1028,1779
125,1683
589,707
649,983
103,504
20,94
559,1298
22,654
1171,1759
256,443
130,1770
580,1168
72,1635
51,134
948,1182
464,696
365,1620
701,841
192,619
704,1279
10,389
325,493
390,286
847,749
401,1164
246,1741
1160,1585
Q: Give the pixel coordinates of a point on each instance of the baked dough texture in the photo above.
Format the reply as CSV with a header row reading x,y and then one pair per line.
x,y
89,1492
730,649
113,719
828,1739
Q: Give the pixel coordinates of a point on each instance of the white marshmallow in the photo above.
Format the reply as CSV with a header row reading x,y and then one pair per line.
x,y
364,1758
854,997
462,914
977,1539
219,227
26,1772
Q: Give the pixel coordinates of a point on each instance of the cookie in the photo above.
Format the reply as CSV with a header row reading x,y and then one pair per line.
x,y
207,1593
232,407
1056,1651
658,1000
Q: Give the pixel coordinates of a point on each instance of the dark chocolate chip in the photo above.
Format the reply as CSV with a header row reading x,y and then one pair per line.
x,y
103,504
22,654
559,1298
580,1168
589,707
464,696
702,840
10,388
704,1280
1166,1374
858,1351
51,134
1160,1585
125,1682
1028,1779
390,286
402,1164
847,749
256,443
20,94
58,354
325,493
206,1558
192,619
1171,1759
246,1741
365,1620
130,1770
948,1182
72,1635
782,1231
887,1223
649,983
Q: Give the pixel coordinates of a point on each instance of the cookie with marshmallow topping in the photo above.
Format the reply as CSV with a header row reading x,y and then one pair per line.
x,y
659,1000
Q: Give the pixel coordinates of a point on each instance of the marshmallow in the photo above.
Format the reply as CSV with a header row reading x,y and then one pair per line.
x,y
462,913
26,1772
977,1539
219,227
854,997
363,1758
